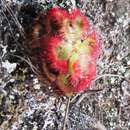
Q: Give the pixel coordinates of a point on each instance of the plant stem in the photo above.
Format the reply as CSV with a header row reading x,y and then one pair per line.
x,y
66,113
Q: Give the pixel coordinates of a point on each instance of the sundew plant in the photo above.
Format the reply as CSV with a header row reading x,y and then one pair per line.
x,y
55,50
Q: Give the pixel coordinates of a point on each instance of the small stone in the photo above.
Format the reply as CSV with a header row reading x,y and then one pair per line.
x,y
119,57
9,66
37,86
128,63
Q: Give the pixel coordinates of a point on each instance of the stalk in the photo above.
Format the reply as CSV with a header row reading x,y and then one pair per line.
x,y
66,113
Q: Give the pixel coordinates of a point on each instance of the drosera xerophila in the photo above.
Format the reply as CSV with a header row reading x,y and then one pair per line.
x,y
68,50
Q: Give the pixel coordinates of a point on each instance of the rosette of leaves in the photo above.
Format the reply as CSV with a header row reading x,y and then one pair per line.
x,y
69,49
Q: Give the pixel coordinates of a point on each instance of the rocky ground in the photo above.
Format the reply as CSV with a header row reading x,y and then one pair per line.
x,y
26,103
